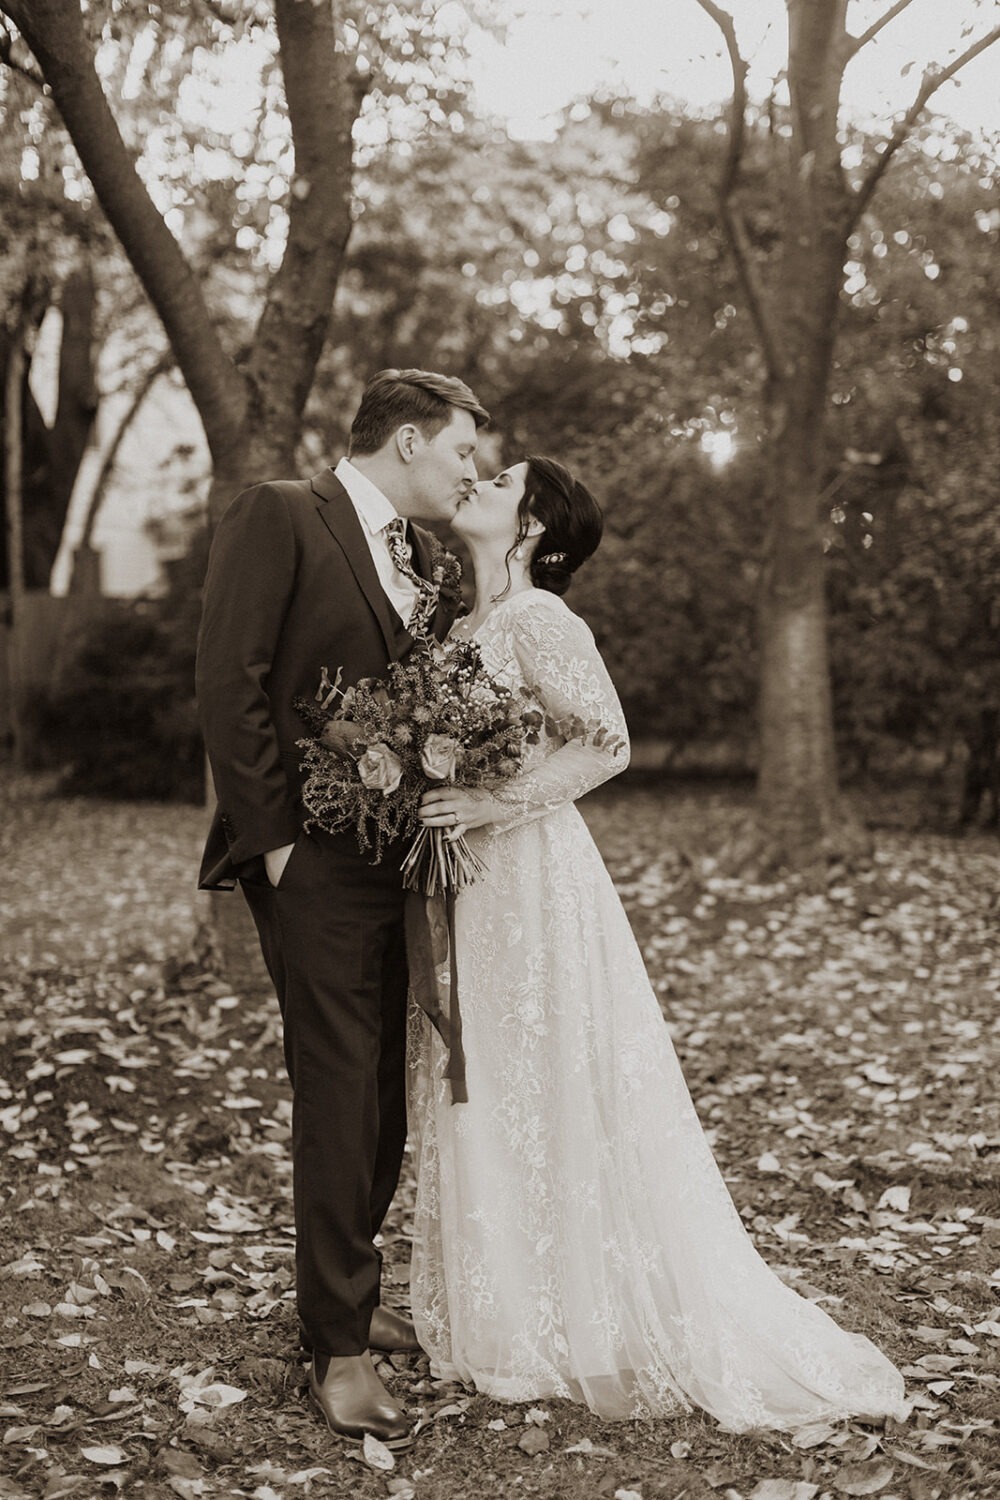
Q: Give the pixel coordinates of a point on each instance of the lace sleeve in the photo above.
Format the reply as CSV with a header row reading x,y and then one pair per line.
x,y
579,714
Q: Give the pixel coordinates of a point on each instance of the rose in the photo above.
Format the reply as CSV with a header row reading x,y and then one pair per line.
x,y
380,770
437,758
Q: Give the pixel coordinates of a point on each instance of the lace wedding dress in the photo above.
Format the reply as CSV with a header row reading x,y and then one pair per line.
x,y
573,1234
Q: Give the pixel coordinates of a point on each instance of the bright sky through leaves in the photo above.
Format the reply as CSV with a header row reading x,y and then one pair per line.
x,y
557,51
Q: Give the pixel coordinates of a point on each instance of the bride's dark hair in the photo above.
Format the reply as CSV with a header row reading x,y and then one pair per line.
x,y
572,519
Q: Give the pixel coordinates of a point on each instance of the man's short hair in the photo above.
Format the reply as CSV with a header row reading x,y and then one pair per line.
x,y
393,398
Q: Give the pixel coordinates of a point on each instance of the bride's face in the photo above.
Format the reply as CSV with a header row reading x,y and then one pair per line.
x,y
489,512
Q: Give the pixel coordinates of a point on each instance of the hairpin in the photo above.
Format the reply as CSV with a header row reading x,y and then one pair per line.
x,y
553,557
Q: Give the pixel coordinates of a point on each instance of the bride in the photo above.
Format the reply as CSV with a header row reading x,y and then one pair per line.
x,y
574,1236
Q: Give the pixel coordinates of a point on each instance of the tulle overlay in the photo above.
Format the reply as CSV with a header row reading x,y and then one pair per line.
x,y
574,1236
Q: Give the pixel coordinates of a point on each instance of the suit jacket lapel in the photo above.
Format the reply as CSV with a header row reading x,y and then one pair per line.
x,y
341,520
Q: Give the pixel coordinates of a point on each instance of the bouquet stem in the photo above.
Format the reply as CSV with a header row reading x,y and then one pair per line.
x,y
438,865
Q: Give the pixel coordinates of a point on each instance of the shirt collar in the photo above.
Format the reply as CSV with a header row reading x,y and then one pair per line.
x,y
374,508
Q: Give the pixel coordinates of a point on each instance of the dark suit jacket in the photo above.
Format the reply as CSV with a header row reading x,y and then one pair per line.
x,y
291,588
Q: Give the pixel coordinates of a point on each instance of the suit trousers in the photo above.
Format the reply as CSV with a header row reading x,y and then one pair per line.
x,y
332,936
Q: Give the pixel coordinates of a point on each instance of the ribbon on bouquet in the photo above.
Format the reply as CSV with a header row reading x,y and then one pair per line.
x,y
433,964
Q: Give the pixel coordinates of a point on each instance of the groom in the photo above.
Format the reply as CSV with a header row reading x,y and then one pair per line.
x,y
307,574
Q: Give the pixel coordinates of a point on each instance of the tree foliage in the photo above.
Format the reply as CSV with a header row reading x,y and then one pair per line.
x,y
586,288
793,296
279,193
641,368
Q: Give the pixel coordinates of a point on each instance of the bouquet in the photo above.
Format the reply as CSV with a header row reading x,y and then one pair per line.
x,y
437,717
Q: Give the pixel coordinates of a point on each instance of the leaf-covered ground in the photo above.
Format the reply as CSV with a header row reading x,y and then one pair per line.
x,y
841,1043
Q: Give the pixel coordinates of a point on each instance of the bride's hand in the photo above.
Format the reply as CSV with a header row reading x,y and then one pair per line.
x,y
455,809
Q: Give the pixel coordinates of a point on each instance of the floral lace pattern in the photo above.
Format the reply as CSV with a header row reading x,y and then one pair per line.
x,y
574,1236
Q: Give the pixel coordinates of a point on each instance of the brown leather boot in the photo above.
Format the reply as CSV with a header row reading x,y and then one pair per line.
x,y
351,1399
391,1333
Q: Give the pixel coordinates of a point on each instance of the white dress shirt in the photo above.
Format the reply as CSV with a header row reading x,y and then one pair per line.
x,y
375,512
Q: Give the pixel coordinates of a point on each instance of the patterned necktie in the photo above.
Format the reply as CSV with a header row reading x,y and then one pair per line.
x,y
427,595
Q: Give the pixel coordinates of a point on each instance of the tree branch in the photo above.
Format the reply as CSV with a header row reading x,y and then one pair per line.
x,y
54,31
75,218
732,219
322,107
932,81
218,12
7,57
238,16
855,43
143,387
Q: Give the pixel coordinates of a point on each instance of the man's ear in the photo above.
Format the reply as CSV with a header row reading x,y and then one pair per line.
x,y
407,439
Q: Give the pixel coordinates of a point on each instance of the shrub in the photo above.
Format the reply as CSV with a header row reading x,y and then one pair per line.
x,y
120,719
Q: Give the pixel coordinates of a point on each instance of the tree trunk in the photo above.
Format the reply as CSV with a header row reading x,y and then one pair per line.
x,y
51,456
77,405
324,99
85,575
796,329
34,433
61,447
13,474
797,782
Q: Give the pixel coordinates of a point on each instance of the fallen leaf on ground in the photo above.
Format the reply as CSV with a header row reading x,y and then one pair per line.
x,y
376,1454
784,1489
862,1479
109,1455
589,1449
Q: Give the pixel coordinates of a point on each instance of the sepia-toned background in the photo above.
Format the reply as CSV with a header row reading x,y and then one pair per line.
x,y
735,264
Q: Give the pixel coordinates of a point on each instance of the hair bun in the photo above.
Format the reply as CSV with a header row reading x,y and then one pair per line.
x,y
570,519
551,572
